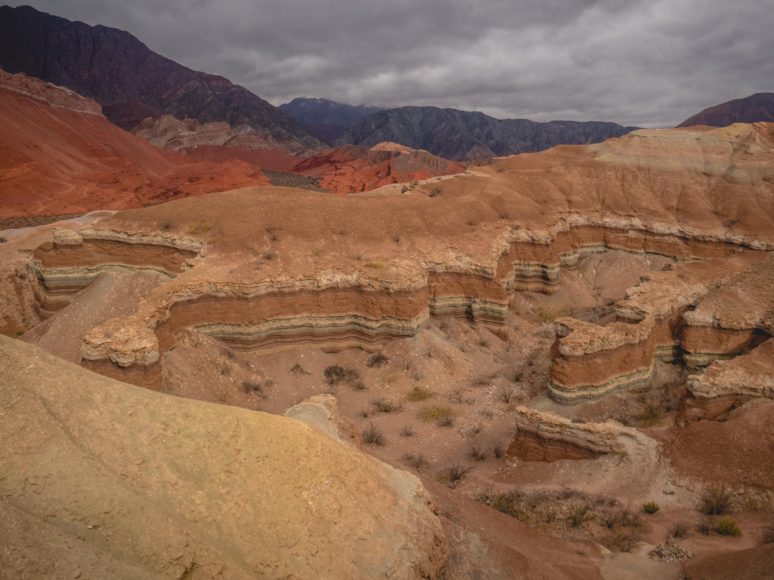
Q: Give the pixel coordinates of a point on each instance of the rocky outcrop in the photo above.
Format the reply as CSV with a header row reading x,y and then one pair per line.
x,y
727,384
159,486
277,266
168,132
50,94
542,436
694,314
130,81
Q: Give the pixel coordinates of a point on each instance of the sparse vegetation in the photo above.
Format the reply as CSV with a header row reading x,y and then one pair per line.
x,y
727,526
298,370
498,451
419,393
165,225
407,432
478,454
434,192
373,436
272,234
377,359
453,475
440,414
415,461
650,508
715,500
386,406
679,530
336,374
253,387
198,228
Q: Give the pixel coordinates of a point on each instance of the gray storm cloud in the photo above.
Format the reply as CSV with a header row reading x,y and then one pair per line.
x,y
639,62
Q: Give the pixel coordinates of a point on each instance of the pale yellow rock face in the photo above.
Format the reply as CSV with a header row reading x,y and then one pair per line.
x,y
124,482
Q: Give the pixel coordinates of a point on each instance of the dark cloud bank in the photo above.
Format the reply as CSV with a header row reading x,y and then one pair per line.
x,y
639,62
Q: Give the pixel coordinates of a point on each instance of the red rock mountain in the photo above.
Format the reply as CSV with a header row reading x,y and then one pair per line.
x,y
131,81
60,155
752,109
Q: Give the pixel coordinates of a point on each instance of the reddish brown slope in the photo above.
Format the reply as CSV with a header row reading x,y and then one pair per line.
x,y
59,155
353,169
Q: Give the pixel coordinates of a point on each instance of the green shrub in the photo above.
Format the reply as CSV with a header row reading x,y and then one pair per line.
x,y
726,526
650,508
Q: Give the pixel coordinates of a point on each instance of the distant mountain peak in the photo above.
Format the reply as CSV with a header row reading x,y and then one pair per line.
x,y
752,109
129,80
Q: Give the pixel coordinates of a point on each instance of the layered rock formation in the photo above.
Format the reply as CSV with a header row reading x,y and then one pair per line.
x,y
168,132
547,437
158,486
59,155
129,80
464,135
269,266
695,313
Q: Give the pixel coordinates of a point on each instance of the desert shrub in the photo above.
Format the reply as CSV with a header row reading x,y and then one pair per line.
x,y
578,516
440,414
434,192
225,369
705,527
454,474
199,228
253,387
407,432
419,393
621,518
478,454
385,406
508,396
336,374
373,436
650,508
298,370
376,360
715,500
498,451
679,530
272,234
727,526
650,416
621,540
415,461
165,225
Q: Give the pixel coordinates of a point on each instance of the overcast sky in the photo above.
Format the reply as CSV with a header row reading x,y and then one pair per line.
x,y
635,62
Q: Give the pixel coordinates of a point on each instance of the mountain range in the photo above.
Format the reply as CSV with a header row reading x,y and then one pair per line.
x,y
325,119
464,135
129,80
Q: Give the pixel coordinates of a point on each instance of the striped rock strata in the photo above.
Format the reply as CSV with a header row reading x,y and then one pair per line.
x,y
542,436
695,314
266,266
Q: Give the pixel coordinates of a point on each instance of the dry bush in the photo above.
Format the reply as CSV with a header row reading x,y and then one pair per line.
x,y
376,360
407,432
443,415
198,228
373,436
419,393
298,370
386,406
498,451
453,475
336,374
715,500
415,461
478,454
679,530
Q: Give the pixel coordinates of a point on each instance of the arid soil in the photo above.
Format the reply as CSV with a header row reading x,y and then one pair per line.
x,y
569,349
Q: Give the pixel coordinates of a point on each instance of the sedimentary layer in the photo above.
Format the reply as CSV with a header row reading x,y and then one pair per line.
x,y
160,486
695,313
274,265
542,436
